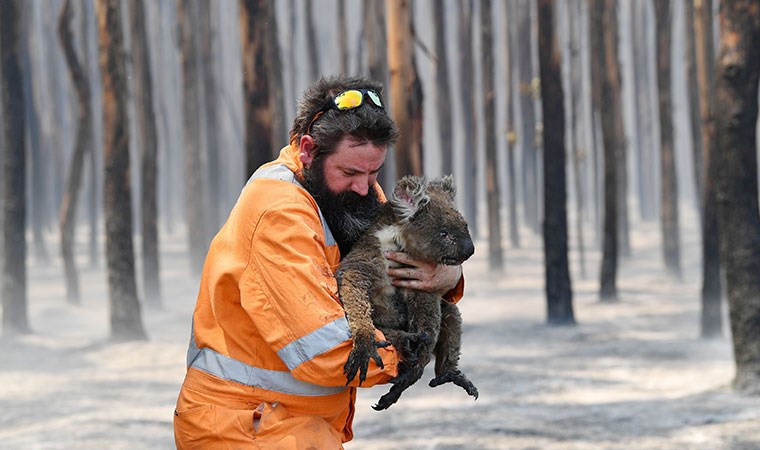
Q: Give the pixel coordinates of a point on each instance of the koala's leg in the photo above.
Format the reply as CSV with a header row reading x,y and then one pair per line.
x,y
447,351
424,320
355,289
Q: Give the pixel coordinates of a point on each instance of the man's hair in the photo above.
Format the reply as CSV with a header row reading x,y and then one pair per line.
x,y
367,122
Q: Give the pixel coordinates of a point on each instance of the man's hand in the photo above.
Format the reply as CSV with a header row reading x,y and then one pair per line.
x,y
423,276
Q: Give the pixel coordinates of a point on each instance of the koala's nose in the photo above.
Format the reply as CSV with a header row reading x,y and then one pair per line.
x,y
467,248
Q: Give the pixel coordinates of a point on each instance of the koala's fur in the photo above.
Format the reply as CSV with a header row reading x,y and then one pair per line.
x,y
420,219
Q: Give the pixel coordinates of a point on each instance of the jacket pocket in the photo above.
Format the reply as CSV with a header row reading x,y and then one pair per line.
x,y
213,427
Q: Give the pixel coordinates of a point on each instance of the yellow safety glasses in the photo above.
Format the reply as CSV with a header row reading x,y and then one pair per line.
x,y
350,99
354,99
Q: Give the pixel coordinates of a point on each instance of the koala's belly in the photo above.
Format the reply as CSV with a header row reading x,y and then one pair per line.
x,y
388,310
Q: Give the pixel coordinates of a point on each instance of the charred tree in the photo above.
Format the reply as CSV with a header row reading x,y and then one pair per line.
x,y
146,126
509,21
406,88
469,114
711,318
312,50
495,253
442,97
375,42
559,293
694,111
187,17
605,74
669,195
738,70
126,318
82,146
528,92
14,295
577,152
644,110
258,113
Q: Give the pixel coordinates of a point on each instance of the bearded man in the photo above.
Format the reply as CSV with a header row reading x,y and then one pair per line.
x,y
269,335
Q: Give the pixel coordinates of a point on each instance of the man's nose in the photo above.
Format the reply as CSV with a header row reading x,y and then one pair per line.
x,y
361,186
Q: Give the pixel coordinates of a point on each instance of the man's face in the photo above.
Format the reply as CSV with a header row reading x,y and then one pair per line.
x,y
341,183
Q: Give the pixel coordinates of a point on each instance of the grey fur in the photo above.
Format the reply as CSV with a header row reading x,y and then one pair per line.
x,y
420,219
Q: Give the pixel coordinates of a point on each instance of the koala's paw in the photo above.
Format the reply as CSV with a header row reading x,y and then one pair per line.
x,y
458,378
413,345
358,359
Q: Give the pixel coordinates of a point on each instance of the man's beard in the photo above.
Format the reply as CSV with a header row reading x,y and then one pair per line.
x,y
348,214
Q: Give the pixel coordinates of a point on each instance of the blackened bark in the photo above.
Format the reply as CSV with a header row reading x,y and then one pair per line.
x,y
469,114
528,91
605,73
406,89
669,205
510,22
187,17
711,318
146,125
443,99
578,153
559,293
82,146
258,113
14,295
495,253
126,319
738,70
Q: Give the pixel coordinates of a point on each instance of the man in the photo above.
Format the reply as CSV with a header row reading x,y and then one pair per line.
x,y
270,338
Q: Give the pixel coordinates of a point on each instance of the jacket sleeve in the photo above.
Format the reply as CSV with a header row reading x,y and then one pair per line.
x,y
289,292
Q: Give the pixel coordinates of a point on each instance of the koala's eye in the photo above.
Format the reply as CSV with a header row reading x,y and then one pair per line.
x,y
443,234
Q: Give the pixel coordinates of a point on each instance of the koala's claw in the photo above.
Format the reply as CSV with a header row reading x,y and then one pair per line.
x,y
358,359
458,378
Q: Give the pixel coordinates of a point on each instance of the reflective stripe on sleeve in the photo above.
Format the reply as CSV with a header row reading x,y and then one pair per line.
x,y
230,369
315,343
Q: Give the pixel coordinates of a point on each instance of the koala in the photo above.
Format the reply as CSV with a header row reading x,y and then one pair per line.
x,y
420,219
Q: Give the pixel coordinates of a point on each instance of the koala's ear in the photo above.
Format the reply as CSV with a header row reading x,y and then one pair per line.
x,y
409,195
446,185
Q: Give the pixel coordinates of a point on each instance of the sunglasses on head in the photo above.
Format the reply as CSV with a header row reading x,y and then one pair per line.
x,y
350,99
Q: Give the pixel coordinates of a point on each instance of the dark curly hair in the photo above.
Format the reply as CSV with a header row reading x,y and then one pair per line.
x,y
364,123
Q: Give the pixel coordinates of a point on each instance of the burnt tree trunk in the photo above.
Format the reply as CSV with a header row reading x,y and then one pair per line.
x,y
495,253
559,293
14,295
146,126
711,318
469,114
694,111
528,91
578,153
669,204
406,90
126,319
375,42
510,22
738,68
82,146
187,17
642,85
442,97
605,74
258,113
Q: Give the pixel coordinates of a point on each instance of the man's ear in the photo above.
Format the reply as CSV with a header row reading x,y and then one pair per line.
x,y
306,149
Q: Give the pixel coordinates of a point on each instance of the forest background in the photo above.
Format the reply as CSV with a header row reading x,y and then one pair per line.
x,y
193,95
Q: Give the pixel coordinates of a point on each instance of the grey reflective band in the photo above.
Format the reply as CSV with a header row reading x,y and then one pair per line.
x,y
315,343
230,369
281,172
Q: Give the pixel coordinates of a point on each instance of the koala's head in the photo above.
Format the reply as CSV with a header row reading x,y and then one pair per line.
x,y
431,227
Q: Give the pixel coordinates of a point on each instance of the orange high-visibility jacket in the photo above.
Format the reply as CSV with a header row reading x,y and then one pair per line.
x,y
270,337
